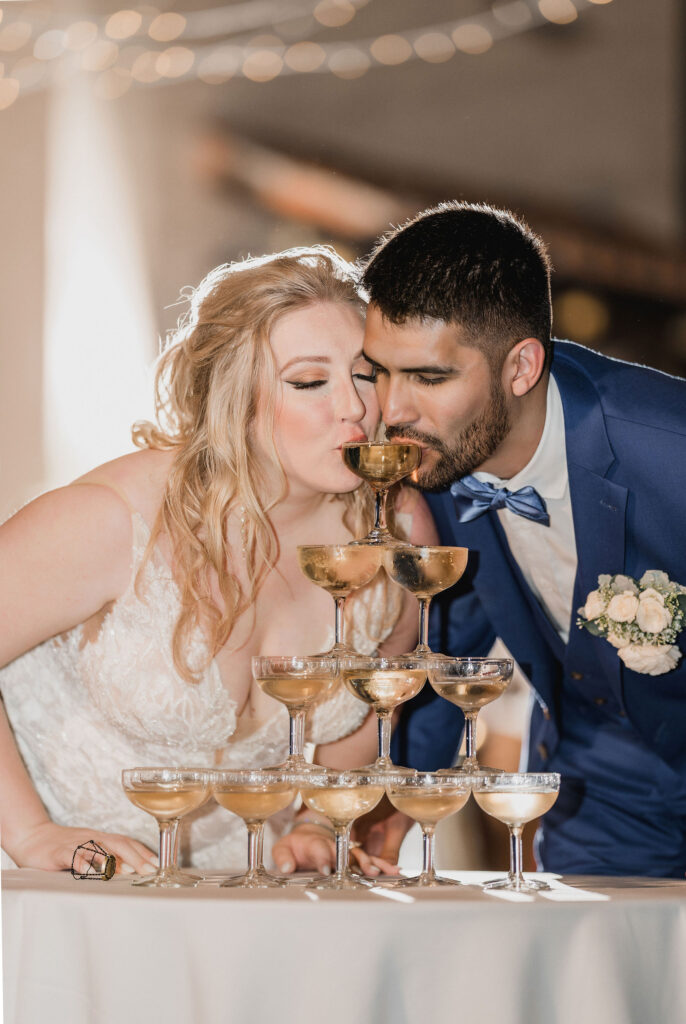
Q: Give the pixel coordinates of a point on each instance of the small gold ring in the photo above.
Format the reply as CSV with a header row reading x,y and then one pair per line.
x,y
353,845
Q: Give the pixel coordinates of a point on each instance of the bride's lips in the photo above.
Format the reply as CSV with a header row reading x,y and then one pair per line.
x,y
360,439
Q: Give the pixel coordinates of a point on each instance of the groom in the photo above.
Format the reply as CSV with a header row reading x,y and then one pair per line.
x,y
552,464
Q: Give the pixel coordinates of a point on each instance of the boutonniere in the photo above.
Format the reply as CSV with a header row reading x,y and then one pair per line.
x,y
641,618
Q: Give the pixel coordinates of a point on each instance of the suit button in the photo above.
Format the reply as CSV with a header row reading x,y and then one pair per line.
x,y
543,751
622,714
546,714
600,701
577,675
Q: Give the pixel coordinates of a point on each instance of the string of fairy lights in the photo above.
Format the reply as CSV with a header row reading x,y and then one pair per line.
x,y
258,40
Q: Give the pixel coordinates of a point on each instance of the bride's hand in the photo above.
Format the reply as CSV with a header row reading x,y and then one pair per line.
x,y
50,847
310,846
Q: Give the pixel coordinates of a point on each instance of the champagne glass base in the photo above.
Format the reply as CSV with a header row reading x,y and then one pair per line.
x,y
422,881
301,879
299,767
381,537
341,883
172,878
515,885
383,765
259,879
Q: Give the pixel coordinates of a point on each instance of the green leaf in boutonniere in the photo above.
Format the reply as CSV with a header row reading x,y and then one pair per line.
x,y
592,626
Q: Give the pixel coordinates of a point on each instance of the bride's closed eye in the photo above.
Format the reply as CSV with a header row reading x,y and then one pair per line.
x,y
302,385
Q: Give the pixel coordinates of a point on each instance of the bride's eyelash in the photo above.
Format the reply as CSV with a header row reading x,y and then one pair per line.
x,y
363,376
301,385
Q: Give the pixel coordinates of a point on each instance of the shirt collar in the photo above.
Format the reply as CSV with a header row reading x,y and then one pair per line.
x,y
546,471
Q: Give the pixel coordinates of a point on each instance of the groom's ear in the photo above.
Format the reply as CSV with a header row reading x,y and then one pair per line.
x,y
523,367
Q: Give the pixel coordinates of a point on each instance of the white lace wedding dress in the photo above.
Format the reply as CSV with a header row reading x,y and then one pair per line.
x,y
82,711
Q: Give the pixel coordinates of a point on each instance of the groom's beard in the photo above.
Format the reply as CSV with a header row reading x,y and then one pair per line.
x,y
469,450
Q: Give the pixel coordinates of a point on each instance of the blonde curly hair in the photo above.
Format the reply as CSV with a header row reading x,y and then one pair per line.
x,y
208,380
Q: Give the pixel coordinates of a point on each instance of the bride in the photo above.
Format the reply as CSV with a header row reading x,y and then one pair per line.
x,y
133,599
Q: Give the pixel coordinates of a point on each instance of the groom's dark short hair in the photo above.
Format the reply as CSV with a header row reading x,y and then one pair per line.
x,y
468,264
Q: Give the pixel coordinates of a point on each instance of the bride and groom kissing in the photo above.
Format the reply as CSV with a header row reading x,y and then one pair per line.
x,y
551,463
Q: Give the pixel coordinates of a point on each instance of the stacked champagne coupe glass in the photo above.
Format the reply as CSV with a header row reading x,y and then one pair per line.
x,y
383,683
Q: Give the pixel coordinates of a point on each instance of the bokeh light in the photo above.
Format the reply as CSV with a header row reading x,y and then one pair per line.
x,y
391,49
334,13
123,24
472,38
560,12
80,34
434,47
262,65
166,27
349,62
175,62
305,57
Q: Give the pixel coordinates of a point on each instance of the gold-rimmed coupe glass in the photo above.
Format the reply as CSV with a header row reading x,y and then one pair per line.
x,y
342,797
254,794
384,683
515,799
425,572
381,464
298,683
339,569
168,794
470,683
429,798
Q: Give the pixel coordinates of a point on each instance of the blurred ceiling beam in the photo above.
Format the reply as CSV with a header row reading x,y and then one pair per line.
x,y
347,207
357,208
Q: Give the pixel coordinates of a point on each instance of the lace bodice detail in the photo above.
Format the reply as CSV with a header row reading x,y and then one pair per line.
x,y
83,708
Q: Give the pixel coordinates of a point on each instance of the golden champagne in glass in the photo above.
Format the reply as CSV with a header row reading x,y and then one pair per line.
x,y
254,795
428,798
516,798
470,683
167,794
384,683
339,569
425,572
342,796
298,683
381,464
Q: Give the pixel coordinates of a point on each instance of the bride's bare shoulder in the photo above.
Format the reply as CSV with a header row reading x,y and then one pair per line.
x,y
139,478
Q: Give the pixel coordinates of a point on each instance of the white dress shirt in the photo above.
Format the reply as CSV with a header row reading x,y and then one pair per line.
x,y
546,555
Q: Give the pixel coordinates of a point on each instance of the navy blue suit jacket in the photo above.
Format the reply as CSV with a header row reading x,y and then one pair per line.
x,y
625,429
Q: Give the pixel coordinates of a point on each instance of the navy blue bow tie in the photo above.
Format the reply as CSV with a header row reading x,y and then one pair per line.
x,y
474,497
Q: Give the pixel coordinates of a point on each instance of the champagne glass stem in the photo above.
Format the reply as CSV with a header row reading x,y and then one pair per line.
x,y
296,736
423,645
428,853
470,760
380,511
342,838
168,833
255,847
515,874
339,645
383,722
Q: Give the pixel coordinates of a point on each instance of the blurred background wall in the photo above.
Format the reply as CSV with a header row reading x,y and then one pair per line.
x,y
140,148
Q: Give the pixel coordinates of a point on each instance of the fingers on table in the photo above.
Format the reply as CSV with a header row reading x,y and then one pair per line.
x,y
131,855
307,851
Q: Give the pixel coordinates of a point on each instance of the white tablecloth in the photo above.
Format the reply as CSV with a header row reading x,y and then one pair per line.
x,y
91,952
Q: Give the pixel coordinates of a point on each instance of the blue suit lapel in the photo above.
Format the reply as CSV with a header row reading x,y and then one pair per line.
x,y
510,604
599,512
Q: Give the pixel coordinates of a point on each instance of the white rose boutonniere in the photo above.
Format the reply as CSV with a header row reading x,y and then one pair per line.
x,y
640,618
